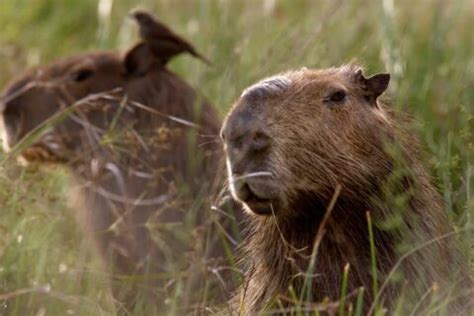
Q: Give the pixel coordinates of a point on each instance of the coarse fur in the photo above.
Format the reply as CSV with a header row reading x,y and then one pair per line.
x,y
126,126
311,143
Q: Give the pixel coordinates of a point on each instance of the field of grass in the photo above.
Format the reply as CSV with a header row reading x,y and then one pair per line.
x,y
427,46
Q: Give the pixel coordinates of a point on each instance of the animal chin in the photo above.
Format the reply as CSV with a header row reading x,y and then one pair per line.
x,y
259,206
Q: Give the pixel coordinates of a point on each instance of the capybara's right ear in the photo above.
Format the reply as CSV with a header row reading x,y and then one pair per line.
x,y
139,59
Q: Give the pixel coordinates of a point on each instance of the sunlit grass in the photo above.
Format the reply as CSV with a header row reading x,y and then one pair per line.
x,y
427,46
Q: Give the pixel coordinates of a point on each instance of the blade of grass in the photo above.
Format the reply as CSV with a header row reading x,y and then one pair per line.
x,y
343,292
373,259
307,288
359,302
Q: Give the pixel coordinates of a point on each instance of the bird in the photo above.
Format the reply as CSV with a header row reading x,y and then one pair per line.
x,y
163,42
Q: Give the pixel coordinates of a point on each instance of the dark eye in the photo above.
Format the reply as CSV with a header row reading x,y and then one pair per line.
x,y
336,97
82,74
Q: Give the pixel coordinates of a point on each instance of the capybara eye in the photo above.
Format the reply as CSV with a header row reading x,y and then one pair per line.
x,y
336,97
82,75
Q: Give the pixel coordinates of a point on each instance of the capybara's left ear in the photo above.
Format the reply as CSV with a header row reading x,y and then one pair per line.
x,y
139,59
373,86
377,84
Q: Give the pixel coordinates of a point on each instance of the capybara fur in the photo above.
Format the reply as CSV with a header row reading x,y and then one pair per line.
x,y
139,143
312,155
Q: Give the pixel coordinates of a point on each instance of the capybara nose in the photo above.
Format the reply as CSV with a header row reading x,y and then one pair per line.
x,y
245,136
255,141
244,150
246,142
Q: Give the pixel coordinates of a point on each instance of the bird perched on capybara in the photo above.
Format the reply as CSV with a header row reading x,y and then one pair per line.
x,y
164,42
126,127
313,155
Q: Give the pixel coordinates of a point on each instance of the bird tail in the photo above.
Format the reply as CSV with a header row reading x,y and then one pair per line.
x,y
201,57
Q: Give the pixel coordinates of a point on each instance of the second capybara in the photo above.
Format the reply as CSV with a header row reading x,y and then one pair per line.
x,y
313,155
126,127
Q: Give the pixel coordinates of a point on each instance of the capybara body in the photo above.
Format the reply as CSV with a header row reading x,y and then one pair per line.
x,y
312,155
137,140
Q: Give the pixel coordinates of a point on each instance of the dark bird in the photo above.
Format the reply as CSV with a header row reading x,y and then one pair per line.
x,y
163,42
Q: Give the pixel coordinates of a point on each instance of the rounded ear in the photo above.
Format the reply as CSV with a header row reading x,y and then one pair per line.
x,y
373,86
377,84
139,59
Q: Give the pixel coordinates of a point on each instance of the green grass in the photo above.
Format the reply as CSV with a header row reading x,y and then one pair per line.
x,y
427,46
373,257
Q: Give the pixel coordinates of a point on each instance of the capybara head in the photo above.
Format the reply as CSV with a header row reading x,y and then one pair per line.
x,y
36,96
89,92
303,133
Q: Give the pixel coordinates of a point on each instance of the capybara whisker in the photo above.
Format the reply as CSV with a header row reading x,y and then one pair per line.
x,y
217,209
208,142
209,136
159,200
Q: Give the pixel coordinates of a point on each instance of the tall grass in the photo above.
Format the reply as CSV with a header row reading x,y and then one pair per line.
x,y
427,46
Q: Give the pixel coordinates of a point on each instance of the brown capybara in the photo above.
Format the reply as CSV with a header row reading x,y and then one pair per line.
x,y
137,140
313,155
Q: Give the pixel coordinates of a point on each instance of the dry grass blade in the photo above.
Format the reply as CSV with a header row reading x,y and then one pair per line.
x,y
171,117
317,241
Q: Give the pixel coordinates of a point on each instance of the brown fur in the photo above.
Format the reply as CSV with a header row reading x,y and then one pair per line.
x,y
306,147
127,131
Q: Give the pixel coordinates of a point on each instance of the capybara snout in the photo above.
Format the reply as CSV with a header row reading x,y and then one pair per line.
x,y
16,107
248,140
247,135
48,90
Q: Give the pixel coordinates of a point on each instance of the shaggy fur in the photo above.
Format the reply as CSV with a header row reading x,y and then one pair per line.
x,y
298,141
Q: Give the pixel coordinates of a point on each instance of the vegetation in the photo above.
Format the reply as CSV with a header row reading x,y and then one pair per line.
x,y
427,46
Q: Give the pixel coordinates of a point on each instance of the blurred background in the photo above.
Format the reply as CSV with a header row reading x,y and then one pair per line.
x,y
427,46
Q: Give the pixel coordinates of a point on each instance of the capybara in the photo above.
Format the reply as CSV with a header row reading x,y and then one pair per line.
x,y
317,157
137,140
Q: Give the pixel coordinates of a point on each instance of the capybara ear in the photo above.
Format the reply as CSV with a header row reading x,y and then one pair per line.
x,y
377,84
373,86
139,59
